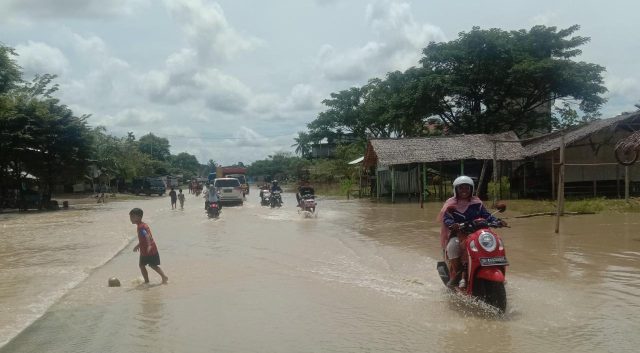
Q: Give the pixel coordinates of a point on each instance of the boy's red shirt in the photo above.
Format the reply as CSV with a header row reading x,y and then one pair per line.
x,y
144,239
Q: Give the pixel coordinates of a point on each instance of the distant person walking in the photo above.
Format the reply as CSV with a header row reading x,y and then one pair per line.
x,y
181,199
174,198
147,246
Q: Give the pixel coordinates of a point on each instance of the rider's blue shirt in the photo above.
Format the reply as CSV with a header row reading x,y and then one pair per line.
x,y
472,212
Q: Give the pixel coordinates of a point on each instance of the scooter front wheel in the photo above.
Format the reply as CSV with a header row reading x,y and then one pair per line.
x,y
492,293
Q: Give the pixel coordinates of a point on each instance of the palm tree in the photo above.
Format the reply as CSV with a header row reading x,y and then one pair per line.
x,y
303,144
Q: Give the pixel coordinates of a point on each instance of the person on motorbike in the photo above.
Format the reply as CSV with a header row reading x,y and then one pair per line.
x,y
275,186
304,190
467,208
211,196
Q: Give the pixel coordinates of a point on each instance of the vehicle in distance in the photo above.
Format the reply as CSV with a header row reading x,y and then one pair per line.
x,y
229,190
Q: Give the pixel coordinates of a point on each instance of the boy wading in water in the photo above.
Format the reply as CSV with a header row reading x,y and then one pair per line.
x,y
148,251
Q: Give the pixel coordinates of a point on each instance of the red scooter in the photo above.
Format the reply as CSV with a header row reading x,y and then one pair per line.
x,y
485,262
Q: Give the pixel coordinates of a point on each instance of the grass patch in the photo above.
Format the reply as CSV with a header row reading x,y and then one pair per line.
x,y
595,205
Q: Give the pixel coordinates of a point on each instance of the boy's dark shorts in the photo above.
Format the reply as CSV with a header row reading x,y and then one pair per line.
x,y
151,260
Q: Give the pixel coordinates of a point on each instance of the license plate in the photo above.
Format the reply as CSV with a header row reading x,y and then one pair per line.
x,y
493,261
227,190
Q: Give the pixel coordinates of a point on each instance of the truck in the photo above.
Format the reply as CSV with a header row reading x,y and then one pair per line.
x,y
239,173
148,186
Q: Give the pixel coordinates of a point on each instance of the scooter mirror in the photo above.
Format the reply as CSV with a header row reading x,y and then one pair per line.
x,y
501,207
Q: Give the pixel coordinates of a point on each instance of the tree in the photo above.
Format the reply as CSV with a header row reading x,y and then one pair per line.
x,y
10,74
154,146
302,144
54,142
489,81
186,164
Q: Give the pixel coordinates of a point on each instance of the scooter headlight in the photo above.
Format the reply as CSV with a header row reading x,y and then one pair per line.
x,y
487,241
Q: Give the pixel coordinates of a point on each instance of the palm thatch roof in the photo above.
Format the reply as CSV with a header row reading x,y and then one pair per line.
x,y
388,152
551,142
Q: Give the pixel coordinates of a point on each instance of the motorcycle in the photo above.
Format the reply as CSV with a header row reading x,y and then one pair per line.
x,y
213,211
486,265
308,204
275,200
265,194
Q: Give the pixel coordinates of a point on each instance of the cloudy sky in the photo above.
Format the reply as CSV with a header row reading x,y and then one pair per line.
x,y
235,80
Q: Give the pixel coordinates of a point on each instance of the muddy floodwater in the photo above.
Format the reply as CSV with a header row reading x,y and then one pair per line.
x,y
358,278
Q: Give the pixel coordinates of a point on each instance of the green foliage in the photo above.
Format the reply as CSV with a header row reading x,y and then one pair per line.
x,y
565,116
485,81
500,189
10,74
44,138
586,206
41,136
282,165
156,147
497,80
303,144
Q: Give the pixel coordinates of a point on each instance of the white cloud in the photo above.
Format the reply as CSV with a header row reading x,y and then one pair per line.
x,y
627,87
302,97
547,19
222,92
398,44
40,58
69,8
207,30
131,119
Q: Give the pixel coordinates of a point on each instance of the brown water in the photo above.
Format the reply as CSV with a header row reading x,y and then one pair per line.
x,y
359,278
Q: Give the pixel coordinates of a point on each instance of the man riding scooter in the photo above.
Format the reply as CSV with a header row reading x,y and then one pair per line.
x,y
211,196
465,207
304,191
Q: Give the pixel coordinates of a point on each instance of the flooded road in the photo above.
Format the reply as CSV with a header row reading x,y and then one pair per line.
x,y
359,278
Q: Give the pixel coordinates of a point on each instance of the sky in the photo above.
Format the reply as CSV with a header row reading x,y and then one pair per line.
x,y
236,80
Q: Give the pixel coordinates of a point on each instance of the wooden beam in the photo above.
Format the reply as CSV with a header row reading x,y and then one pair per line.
x,y
553,175
393,184
560,206
495,172
626,183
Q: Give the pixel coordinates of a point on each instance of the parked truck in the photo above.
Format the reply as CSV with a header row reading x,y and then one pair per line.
x,y
239,173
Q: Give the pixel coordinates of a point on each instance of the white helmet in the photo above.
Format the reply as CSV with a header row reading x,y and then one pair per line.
x,y
463,179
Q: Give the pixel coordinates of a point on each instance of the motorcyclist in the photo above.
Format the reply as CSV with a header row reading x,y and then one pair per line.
x,y
304,190
275,186
467,208
211,196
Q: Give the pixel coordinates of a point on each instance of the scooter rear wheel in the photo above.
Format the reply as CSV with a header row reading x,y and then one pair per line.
x,y
492,293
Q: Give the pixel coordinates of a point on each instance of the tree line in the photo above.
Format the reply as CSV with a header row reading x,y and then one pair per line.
x,y
485,81
42,138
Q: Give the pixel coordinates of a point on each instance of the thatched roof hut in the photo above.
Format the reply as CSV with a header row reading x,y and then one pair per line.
x,y
389,152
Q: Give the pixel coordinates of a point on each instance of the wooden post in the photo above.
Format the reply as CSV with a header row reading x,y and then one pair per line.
x,y
424,182
421,184
495,172
481,180
626,183
553,175
618,180
377,183
524,179
393,184
441,184
560,210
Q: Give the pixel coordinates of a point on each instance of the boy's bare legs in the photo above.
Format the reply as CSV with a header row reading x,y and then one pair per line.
x,y
145,274
165,279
